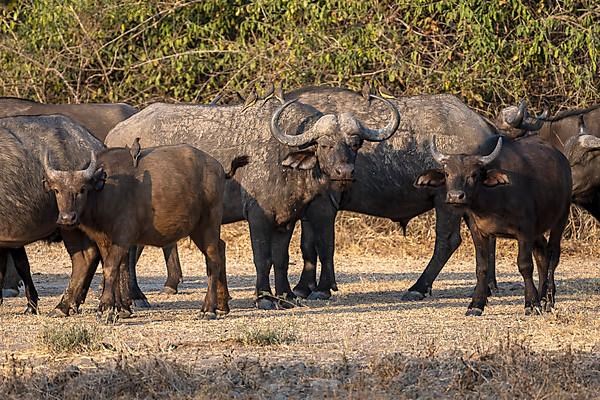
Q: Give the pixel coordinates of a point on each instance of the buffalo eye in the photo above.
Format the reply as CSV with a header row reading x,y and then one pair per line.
x,y
82,190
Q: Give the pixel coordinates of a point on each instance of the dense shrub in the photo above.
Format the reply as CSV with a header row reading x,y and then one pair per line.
x,y
487,52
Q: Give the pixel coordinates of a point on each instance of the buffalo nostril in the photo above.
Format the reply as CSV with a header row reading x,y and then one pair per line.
x,y
461,196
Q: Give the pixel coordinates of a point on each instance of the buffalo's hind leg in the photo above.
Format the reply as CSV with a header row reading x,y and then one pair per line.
x,y
22,265
206,236
540,253
308,278
3,260
138,297
261,230
553,260
281,260
174,274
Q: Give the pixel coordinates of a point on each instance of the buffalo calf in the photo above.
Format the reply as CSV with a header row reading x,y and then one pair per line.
x,y
172,192
521,190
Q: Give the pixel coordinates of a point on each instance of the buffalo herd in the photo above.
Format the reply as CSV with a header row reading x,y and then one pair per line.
x,y
107,179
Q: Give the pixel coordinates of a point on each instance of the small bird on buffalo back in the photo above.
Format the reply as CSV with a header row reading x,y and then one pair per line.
x,y
268,93
366,92
279,92
385,93
250,100
135,151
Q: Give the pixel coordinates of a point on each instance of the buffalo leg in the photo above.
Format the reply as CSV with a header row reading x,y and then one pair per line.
x,y
280,252
540,253
111,301
22,265
482,254
84,259
174,274
308,279
207,237
11,279
261,230
491,274
525,262
447,240
554,239
138,297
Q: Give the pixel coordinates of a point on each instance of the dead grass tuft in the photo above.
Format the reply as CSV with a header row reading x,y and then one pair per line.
x,y
266,336
70,338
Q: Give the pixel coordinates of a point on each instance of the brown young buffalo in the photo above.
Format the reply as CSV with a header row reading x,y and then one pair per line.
x,y
521,190
173,192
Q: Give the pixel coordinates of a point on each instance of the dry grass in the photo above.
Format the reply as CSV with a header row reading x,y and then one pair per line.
x,y
69,337
267,336
507,369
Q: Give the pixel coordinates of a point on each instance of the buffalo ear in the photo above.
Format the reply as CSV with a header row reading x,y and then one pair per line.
x,y
303,159
430,178
47,187
495,177
98,179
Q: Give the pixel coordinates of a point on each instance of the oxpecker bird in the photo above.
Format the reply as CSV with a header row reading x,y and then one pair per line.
x,y
366,92
250,100
135,151
279,92
268,93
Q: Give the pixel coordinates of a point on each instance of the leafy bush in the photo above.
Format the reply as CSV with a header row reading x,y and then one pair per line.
x,y
489,53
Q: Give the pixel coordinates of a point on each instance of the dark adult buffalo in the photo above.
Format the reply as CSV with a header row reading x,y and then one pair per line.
x,y
562,128
172,192
521,190
297,153
28,213
384,177
99,119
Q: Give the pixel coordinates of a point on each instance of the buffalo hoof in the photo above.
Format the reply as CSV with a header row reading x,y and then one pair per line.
x,y
141,303
208,316
265,304
413,295
168,290
124,314
320,295
58,313
10,292
222,313
474,312
493,288
30,310
533,310
301,292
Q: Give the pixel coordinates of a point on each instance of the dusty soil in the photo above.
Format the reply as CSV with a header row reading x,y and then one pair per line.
x,y
364,342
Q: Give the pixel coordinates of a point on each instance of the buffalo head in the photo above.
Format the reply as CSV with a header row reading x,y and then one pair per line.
x,y
72,188
515,121
462,174
332,142
582,151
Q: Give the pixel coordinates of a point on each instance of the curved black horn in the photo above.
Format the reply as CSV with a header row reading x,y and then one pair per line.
x,y
537,125
290,140
484,160
516,120
378,135
89,171
440,158
50,172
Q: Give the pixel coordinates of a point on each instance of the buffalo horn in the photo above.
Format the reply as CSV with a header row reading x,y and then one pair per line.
x,y
89,171
537,125
290,140
516,120
378,135
440,158
50,172
484,160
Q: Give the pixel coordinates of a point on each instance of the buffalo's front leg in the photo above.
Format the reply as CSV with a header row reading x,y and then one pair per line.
x,y
525,262
308,278
11,279
137,296
3,260
261,229
482,254
281,259
447,240
22,265
111,301
84,258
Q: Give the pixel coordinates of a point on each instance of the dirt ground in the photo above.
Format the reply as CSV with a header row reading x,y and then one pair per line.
x,y
363,343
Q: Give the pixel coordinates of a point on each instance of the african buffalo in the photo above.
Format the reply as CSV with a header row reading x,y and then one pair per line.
x,y
298,153
521,190
384,177
28,212
173,192
98,119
